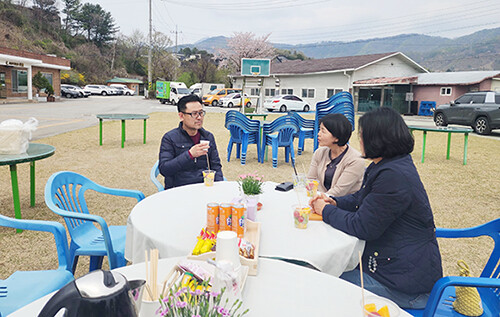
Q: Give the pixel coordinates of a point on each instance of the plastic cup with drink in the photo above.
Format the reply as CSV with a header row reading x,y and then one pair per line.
x,y
208,177
301,216
312,187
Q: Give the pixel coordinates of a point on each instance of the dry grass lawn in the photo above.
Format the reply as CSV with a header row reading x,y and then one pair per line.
x,y
461,196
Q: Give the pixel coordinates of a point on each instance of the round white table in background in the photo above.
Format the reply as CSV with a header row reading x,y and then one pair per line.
x,y
171,220
280,289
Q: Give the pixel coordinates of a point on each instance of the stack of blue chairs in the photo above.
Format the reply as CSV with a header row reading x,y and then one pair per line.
x,y
280,133
306,130
243,131
338,103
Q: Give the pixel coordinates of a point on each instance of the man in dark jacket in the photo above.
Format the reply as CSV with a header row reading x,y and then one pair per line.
x,y
184,150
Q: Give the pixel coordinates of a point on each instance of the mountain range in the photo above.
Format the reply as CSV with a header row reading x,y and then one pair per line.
x,y
476,51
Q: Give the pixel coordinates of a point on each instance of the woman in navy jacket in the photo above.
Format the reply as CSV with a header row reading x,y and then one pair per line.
x,y
391,211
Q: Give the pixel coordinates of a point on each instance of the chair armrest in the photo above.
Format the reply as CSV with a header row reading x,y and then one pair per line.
x,y
94,218
118,192
443,283
55,228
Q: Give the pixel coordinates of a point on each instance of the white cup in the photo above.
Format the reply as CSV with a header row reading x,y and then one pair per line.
x,y
227,248
205,142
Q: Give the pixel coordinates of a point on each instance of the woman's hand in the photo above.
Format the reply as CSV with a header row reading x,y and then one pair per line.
x,y
319,202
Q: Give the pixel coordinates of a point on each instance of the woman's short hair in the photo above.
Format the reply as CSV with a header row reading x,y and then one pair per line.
x,y
338,125
385,134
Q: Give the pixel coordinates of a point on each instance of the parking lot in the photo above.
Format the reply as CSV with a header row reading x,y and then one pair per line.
x,y
72,114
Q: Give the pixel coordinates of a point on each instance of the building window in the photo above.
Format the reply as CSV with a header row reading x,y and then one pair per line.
x,y
333,92
307,92
19,80
270,92
287,91
254,91
445,91
49,78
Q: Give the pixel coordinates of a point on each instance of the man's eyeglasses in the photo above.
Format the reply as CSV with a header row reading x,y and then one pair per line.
x,y
196,114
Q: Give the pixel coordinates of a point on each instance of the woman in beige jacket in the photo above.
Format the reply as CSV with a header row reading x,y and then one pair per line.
x,y
336,166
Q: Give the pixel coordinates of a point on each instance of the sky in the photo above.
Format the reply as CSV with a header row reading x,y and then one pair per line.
x,y
304,21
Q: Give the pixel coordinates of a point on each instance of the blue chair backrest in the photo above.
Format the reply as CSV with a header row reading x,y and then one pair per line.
x,y
250,126
492,229
275,125
236,132
154,177
69,195
286,133
338,103
55,228
303,123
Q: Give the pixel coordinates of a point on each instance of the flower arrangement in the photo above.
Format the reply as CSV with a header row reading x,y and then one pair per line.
x,y
186,302
250,184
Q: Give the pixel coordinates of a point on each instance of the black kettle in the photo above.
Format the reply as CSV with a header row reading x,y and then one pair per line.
x,y
98,293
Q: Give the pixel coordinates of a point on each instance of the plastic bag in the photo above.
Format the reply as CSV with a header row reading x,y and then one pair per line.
x,y
15,135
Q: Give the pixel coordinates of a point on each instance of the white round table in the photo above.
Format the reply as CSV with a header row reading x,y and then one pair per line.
x,y
171,220
280,289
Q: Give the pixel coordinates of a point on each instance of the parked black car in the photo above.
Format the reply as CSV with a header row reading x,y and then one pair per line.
x,y
480,110
69,93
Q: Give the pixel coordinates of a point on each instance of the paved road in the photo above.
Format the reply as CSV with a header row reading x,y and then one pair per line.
x,y
72,114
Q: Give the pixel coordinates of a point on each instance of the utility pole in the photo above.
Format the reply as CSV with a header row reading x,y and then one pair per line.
x,y
175,53
149,51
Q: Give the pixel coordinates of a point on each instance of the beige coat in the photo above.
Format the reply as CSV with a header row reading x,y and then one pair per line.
x,y
348,175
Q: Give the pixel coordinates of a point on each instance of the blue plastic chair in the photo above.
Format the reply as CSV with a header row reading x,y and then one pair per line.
x,y
338,103
488,284
154,177
65,195
279,133
243,131
24,287
306,130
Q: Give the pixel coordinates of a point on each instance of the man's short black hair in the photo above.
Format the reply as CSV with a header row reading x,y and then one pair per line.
x,y
338,125
181,105
385,134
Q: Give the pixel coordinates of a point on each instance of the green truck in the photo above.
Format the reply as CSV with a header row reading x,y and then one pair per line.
x,y
170,91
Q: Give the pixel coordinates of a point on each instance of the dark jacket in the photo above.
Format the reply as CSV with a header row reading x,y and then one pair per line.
x,y
392,213
177,166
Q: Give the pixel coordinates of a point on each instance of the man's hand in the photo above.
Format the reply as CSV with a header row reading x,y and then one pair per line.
x,y
198,150
319,202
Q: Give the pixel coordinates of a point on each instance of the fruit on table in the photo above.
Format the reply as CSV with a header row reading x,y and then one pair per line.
x,y
372,311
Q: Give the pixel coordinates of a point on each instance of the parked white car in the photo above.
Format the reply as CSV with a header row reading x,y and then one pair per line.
x,y
99,90
284,103
126,91
234,100
80,91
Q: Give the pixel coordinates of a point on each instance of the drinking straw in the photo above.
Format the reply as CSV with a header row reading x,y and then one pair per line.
x,y
208,161
147,272
362,283
293,165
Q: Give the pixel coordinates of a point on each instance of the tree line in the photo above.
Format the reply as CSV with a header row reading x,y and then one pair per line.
x,y
89,36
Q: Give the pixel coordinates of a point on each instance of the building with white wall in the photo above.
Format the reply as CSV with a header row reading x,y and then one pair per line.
x,y
315,80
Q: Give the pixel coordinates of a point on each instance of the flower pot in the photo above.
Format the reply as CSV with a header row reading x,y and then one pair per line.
x,y
51,98
251,202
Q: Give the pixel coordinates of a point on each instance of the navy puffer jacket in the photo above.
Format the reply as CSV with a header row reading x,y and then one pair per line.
x,y
177,166
392,213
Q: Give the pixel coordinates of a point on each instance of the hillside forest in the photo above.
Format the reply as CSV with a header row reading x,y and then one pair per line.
x,y
87,35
